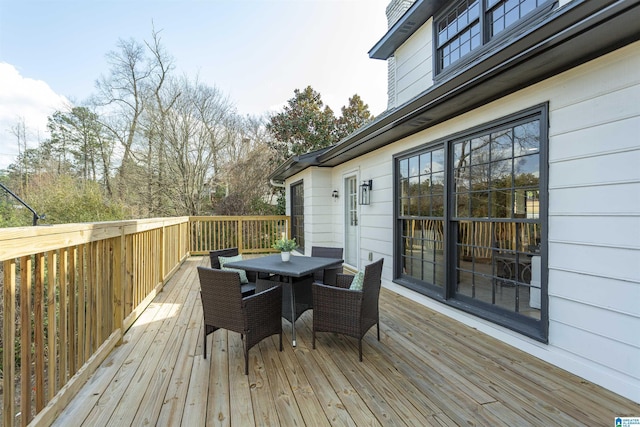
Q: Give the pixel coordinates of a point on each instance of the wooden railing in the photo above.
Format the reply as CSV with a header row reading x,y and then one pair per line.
x,y
251,234
69,292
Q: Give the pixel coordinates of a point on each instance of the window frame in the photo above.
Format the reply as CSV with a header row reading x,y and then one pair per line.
x,y
486,43
528,326
297,224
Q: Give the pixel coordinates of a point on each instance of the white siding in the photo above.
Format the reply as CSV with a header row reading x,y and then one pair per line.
x,y
414,64
594,217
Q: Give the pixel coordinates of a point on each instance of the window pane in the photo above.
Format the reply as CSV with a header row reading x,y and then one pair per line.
x,y
437,182
425,163
502,145
404,206
404,187
404,168
461,182
480,149
480,177
505,13
501,174
462,205
414,166
526,138
527,170
501,203
480,204
414,186
437,161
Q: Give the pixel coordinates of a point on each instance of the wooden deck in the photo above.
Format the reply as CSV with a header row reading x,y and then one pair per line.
x,y
426,370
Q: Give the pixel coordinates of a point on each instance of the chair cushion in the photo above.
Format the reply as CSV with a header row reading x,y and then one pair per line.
x,y
225,259
356,283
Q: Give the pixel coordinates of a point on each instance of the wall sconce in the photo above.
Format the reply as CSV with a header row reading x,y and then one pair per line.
x,y
365,192
334,194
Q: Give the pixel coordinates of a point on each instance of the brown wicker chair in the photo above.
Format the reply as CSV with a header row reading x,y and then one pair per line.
x,y
328,275
342,310
247,288
255,317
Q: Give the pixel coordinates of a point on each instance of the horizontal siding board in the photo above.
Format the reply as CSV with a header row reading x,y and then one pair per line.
x,y
623,232
596,170
414,65
617,263
611,107
615,73
598,349
621,135
604,199
598,320
604,292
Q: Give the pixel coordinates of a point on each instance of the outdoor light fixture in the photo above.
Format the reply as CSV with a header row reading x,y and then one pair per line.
x,y
334,194
365,192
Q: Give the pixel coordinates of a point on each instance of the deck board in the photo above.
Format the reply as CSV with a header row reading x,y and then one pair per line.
x,y
426,370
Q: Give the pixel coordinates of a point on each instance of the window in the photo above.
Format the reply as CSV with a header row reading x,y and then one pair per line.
x,y
473,23
470,219
422,218
297,214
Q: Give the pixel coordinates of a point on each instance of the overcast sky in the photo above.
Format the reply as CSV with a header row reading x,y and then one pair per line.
x,y
255,51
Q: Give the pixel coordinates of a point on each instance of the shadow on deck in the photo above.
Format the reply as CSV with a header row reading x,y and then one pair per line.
x,y
426,370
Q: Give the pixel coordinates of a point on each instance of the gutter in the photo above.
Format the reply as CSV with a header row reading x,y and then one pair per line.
x,y
569,36
274,183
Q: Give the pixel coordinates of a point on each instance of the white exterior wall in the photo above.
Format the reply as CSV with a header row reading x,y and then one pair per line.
x,y
594,217
414,64
319,229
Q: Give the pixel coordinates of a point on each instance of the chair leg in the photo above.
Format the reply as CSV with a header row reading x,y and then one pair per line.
x,y
360,348
378,327
205,342
281,348
313,339
246,360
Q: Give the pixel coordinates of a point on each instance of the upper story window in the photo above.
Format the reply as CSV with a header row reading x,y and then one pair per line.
x,y
470,24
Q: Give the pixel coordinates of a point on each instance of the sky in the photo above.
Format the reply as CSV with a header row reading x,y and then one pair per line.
x,y
257,52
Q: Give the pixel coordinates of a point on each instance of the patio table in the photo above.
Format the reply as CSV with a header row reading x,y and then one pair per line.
x,y
297,267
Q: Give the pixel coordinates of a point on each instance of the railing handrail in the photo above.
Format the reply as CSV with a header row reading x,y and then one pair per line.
x,y
88,283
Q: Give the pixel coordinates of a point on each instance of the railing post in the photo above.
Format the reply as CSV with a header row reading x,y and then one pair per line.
x,y
119,281
163,251
9,335
240,242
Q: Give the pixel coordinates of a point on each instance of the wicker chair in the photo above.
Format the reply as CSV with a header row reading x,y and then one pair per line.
x,y
247,288
255,317
328,275
342,310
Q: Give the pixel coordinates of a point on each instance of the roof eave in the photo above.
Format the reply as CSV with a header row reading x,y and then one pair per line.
x,y
579,32
413,18
296,164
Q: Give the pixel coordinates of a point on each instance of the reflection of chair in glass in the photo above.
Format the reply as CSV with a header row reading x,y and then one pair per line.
x,y
510,269
345,311
503,270
328,275
256,317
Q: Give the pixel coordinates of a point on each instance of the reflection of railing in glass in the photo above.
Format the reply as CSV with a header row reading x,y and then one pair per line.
x,y
479,239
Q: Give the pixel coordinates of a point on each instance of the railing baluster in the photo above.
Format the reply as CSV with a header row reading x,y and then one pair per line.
x,y
80,283
25,339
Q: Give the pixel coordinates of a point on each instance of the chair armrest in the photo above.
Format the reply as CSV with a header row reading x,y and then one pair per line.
x,y
264,306
336,300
